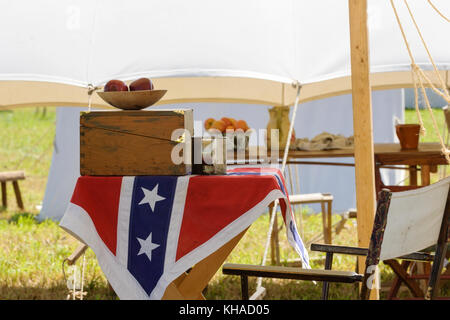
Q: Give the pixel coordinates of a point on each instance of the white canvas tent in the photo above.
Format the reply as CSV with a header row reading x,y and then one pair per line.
x,y
54,52
232,51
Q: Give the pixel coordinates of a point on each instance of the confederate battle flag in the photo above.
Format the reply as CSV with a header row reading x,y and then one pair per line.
x,y
148,230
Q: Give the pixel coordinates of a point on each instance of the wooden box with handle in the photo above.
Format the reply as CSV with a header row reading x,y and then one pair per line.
x,y
132,143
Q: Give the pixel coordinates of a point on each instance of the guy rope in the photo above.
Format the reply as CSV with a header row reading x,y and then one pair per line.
x,y
259,289
420,78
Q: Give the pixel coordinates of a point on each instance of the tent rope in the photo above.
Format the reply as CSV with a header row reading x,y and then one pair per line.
x,y
437,10
297,85
91,90
416,103
419,74
443,86
73,292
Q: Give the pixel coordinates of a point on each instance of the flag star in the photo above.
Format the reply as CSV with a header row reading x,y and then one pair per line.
x,y
151,197
147,246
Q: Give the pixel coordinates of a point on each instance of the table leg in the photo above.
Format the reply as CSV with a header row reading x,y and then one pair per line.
x,y
413,175
190,285
425,175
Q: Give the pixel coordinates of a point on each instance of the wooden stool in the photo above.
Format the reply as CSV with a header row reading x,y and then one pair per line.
x,y
14,177
325,199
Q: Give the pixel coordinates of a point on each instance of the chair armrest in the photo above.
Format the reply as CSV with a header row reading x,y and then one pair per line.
x,y
416,256
293,273
355,251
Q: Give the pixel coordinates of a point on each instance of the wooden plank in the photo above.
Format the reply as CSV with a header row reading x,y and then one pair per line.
x,y
11,176
389,153
202,272
132,142
362,126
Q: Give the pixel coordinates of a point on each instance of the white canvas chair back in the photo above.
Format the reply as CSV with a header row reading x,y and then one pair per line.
x,y
414,220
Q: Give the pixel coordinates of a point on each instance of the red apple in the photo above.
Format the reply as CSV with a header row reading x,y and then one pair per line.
x,y
141,84
115,85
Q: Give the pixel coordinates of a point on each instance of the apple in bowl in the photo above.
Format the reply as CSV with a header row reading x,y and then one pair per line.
x,y
115,85
141,84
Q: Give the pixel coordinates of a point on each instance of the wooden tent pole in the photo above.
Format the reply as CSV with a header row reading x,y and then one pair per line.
x,y
362,126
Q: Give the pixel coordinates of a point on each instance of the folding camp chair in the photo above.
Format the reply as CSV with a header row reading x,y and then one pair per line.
x,y
405,223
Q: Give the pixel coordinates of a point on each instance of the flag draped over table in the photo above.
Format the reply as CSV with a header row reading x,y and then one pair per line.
x,y
148,230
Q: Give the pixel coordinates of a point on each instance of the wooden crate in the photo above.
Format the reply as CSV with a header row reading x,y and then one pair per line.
x,y
131,143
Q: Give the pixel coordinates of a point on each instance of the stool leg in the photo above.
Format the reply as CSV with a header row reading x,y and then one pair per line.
x,y
329,212
324,224
4,199
18,195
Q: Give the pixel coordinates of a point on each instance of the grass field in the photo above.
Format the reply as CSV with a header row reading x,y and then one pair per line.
x,y
32,253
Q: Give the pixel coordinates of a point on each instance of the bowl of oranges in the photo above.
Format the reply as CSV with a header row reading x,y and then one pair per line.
x,y
237,132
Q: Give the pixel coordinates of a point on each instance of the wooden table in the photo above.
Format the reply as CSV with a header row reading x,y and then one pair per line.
x,y
387,155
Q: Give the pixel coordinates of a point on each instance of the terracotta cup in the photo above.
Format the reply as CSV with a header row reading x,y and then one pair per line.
x,y
408,134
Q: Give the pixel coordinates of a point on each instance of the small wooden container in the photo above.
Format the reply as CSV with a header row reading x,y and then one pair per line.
x,y
209,156
133,143
408,134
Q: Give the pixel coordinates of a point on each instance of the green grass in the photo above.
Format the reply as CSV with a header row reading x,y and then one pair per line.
x,y
430,135
32,253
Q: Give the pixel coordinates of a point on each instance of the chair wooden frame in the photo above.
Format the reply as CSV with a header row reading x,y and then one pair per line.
x,y
372,258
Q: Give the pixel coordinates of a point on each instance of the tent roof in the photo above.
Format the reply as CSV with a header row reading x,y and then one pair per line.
x,y
233,51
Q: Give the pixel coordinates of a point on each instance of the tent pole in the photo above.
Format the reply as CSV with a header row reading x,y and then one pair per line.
x,y
362,127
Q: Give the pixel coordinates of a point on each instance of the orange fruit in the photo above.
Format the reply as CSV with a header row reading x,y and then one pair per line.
x,y
226,121
209,122
241,124
233,122
219,125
